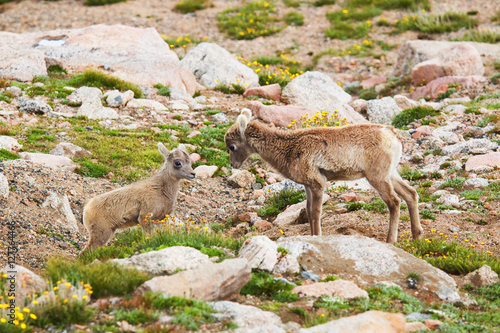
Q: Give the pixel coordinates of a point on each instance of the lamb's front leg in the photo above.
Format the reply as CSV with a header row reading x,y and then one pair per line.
x,y
308,209
315,210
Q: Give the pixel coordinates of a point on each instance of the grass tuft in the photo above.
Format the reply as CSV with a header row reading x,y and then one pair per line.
x,y
101,2
279,201
96,78
106,279
408,116
189,6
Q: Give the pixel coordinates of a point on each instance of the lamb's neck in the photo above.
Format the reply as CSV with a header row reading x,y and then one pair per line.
x,y
169,186
268,143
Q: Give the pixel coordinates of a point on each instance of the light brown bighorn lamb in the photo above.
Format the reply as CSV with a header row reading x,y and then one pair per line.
x,y
314,156
128,206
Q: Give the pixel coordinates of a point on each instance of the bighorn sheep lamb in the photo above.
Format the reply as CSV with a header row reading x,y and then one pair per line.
x,y
130,205
314,156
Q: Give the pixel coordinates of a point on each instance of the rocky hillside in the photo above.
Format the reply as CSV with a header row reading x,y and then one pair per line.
x,y
86,92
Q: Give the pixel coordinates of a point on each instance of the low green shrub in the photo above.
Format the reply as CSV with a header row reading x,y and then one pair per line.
x,y
101,2
96,78
106,279
408,116
189,6
294,18
250,21
277,202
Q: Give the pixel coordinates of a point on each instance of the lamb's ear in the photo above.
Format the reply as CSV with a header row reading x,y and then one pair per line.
x,y
243,119
182,147
164,151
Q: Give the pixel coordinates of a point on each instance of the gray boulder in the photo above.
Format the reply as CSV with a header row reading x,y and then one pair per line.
x,y
367,262
33,106
4,187
166,261
211,64
381,111
319,92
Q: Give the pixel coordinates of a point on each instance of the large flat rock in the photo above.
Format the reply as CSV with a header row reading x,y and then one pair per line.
x,y
133,54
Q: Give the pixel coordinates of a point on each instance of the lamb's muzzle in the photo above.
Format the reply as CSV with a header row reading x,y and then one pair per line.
x,y
314,156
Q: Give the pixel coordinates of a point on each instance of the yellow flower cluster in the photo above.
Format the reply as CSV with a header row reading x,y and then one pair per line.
x,y
320,119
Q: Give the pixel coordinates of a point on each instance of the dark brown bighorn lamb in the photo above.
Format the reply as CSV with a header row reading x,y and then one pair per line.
x,y
128,206
314,156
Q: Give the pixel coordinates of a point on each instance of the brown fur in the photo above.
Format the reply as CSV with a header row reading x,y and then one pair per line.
x,y
314,156
128,206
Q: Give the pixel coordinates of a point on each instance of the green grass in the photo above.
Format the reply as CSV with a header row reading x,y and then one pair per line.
x,y
391,4
320,3
7,155
106,279
408,116
482,36
347,30
189,6
432,24
292,3
181,41
451,257
162,90
188,313
101,2
249,21
277,202
133,240
473,194
264,285
411,174
5,97
230,89
136,316
353,14
456,183
96,78
377,205
294,18
63,315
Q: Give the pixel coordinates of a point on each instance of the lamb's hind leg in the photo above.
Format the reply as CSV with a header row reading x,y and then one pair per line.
x,y
308,209
410,196
315,208
98,236
388,195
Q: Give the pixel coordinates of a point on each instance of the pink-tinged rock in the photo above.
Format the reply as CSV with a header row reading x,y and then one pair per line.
x,y
193,134
367,322
404,102
279,115
439,90
9,143
263,225
261,253
340,288
195,157
425,130
257,194
359,105
270,91
53,161
427,71
23,281
430,88
416,326
287,265
138,55
479,161
247,217
371,82
433,323
223,281
460,59
481,277
349,197
205,171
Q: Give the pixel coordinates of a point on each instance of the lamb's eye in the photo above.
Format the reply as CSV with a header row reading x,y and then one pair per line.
x,y
232,147
178,163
